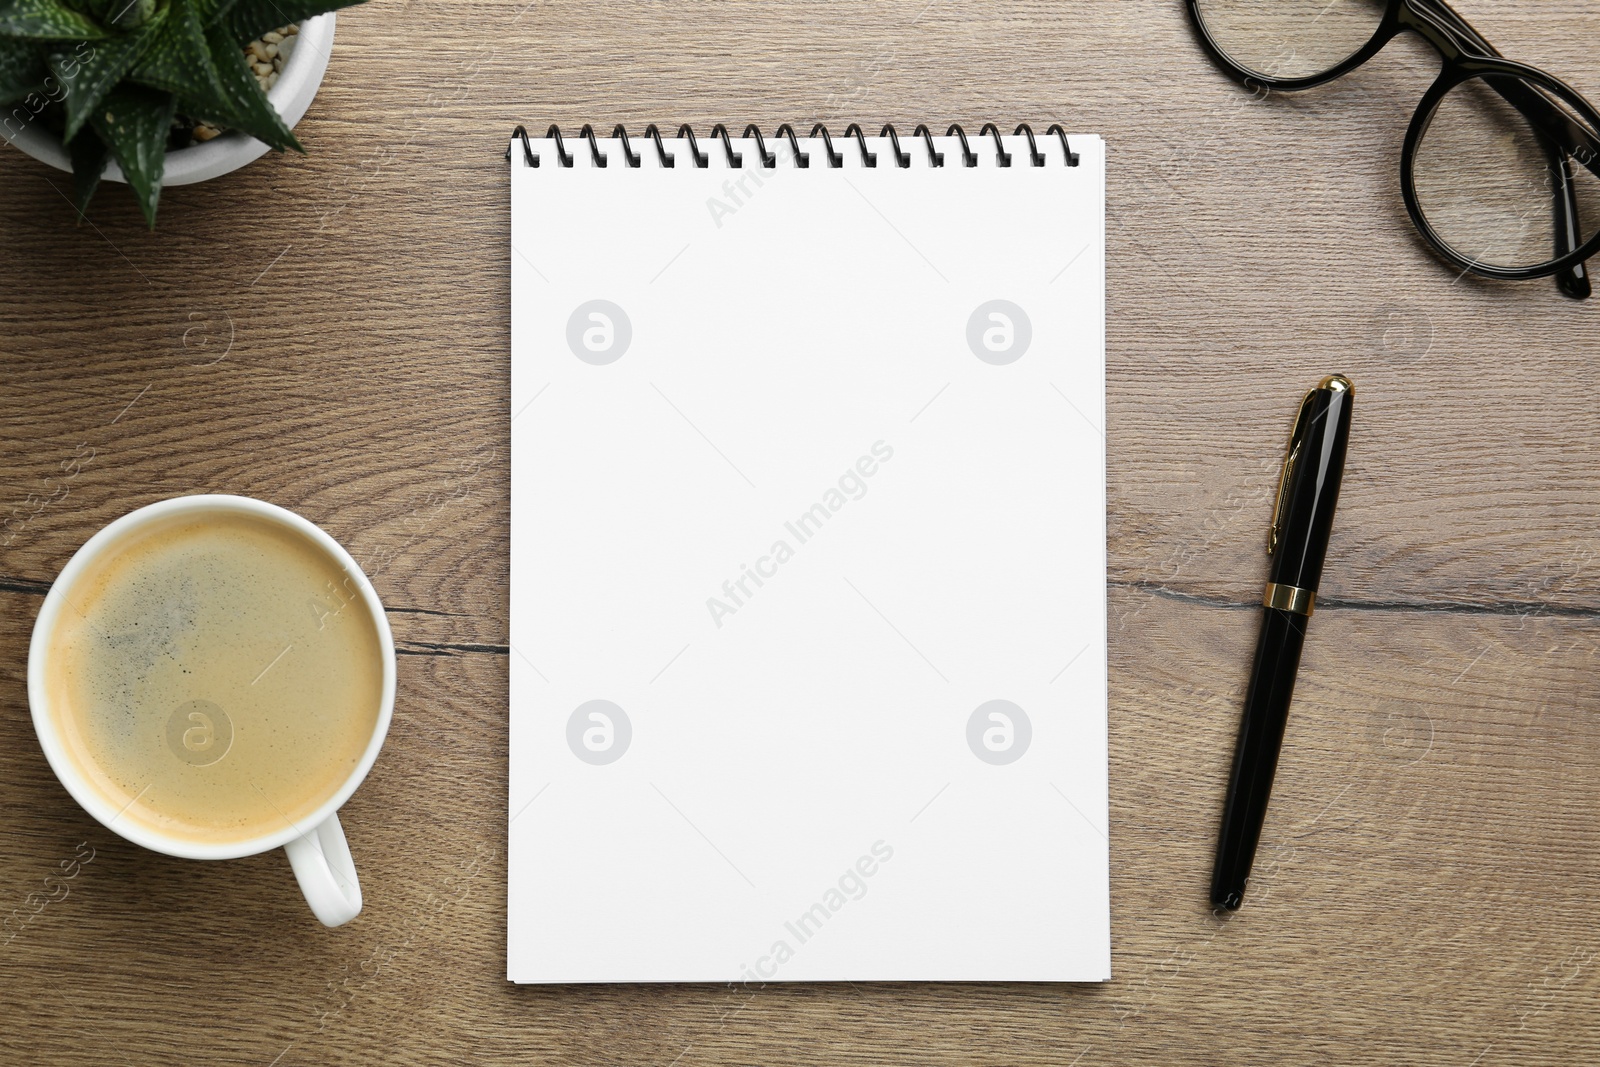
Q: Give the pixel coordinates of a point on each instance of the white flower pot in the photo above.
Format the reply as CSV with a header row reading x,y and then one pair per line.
x,y
297,84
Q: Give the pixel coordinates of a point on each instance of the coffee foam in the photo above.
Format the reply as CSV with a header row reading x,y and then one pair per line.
x,y
216,677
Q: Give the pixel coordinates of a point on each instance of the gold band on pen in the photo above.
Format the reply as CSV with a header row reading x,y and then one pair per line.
x,y
1289,598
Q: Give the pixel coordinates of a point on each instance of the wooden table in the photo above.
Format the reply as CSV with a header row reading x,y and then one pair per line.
x,y
330,333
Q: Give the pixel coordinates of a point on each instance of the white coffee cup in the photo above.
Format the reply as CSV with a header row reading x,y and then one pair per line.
x,y
316,845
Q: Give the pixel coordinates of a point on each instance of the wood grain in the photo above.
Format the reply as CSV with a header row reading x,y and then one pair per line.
x,y
329,332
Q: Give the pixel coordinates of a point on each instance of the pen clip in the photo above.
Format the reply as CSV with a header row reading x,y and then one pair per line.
x,y
1291,455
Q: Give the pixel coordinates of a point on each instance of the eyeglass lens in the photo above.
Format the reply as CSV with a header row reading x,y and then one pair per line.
x,y
1487,173
1290,38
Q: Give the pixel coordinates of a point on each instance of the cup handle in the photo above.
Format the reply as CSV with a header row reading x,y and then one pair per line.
x,y
327,875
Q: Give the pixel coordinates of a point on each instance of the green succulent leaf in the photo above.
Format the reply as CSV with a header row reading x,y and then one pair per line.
x,y
90,70
88,163
22,68
123,14
134,121
178,59
126,67
46,20
131,14
248,107
249,19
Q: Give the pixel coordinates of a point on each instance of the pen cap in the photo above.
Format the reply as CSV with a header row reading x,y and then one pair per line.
x,y
1313,469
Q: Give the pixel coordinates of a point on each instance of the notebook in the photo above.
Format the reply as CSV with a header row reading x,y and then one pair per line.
x,y
808,571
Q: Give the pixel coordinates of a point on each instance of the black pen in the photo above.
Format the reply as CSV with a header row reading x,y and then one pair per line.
x,y
1308,490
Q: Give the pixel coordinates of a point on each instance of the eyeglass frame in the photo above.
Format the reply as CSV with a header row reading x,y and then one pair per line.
x,y
1440,25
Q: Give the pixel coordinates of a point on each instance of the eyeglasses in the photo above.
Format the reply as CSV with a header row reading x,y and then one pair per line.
x,y
1501,165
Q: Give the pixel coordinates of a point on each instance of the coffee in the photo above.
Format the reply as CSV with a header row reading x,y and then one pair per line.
x,y
217,677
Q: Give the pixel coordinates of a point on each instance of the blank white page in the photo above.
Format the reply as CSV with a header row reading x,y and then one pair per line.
x,y
808,579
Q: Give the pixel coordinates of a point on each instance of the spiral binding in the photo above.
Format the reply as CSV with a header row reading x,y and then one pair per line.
x,y
835,158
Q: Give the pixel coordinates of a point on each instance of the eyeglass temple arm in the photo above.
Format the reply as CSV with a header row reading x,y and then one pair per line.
x,y
1574,281
1452,21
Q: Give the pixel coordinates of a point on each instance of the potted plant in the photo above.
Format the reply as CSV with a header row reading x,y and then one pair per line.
x,y
155,92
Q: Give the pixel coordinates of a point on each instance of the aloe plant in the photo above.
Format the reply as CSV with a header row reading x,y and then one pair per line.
x,y
110,75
